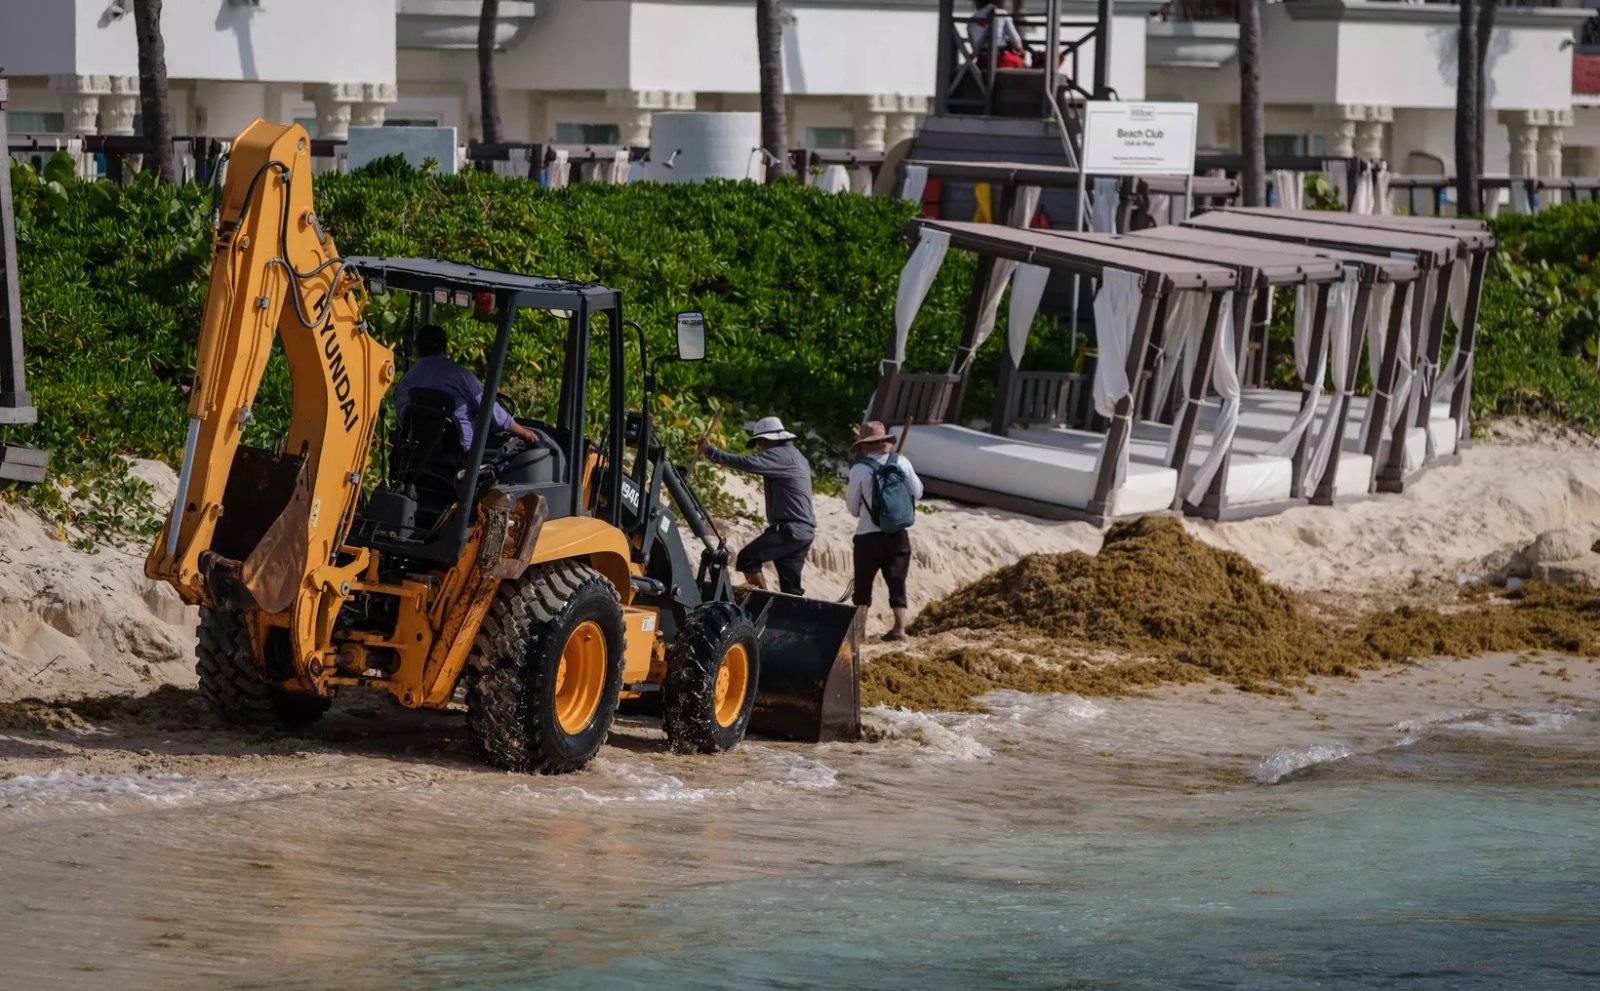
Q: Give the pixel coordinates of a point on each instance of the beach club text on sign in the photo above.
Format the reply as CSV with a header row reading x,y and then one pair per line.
x,y
1139,138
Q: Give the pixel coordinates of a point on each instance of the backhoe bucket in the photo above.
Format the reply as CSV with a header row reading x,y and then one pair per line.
x,y
810,683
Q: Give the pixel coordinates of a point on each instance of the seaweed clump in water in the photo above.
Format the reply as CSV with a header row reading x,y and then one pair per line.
x,y
1155,591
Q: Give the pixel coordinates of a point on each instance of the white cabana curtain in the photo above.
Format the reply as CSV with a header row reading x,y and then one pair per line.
x,y
559,173
1186,317
1027,289
1341,314
1460,278
1521,202
1162,208
1385,206
1103,203
1116,310
915,281
1312,368
1225,382
1289,187
1364,198
1377,328
1022,211
916,182
834,179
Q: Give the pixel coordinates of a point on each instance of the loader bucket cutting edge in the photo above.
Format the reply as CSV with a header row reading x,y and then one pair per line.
x,y
809,685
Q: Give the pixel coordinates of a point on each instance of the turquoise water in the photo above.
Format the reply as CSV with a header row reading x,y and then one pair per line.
x,y
1466,856
1461,861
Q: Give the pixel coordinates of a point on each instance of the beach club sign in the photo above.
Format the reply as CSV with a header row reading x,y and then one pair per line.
x,y
1139,138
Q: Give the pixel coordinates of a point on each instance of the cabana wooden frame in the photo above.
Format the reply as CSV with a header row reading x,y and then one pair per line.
x,y
1434,253
929,398
1258,270
1372,270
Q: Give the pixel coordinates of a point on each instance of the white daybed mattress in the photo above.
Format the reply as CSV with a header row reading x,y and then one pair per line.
x,y
1061,476
1252,478
1265,415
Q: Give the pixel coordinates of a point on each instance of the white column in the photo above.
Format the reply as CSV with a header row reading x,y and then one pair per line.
x,y
1339,128
81,100
1522,126
118,109
374,104
1372,130
637,108
903,123
871,119
1552,136
335,104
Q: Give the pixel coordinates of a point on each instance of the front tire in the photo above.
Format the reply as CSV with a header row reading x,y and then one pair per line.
x,y
549,658
232,682
713,668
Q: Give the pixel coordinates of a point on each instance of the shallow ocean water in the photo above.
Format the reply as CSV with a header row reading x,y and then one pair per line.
x,y
959,852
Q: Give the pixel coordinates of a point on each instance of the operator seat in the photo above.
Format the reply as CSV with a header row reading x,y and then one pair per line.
x,y
426,455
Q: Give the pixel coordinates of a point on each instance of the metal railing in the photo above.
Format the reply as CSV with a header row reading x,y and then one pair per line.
x,y
1053,52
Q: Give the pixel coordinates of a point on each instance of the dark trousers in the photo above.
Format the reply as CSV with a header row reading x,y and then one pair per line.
x,y
889,553
785,547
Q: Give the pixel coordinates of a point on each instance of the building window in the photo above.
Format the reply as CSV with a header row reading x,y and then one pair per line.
x,y
830,137
1295,145
411,122
588,134
32,122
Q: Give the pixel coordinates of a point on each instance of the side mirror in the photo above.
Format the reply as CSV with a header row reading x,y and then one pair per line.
x,y
691,336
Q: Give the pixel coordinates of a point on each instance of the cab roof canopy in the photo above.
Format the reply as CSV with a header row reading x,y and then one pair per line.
x,y
425,275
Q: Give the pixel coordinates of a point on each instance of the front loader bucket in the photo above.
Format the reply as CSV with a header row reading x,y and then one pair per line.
x,y
810,682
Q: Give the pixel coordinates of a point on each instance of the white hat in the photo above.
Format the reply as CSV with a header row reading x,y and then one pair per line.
x,y
767,428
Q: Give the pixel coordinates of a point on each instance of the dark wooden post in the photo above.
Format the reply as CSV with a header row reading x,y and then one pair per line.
x,y
946,60
1466,339
1392,476
1212,503
1121,426
1308,393
1189,415
1388,369
1339,409
1433,346
16,406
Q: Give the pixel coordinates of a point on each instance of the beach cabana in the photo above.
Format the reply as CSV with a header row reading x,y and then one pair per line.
x,y
1402,367
1096,479
1241,483
1451,394
1347,472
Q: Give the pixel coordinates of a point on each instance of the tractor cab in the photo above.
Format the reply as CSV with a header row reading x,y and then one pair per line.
x,y
434,468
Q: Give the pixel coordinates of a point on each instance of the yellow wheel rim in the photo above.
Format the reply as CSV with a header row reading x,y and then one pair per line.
x,y
581,678
733,683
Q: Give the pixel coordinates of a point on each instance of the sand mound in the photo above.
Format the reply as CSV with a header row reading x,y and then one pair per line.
x,y
76,623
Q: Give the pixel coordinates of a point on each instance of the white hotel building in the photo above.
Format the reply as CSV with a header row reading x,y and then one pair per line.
x,y
1373,78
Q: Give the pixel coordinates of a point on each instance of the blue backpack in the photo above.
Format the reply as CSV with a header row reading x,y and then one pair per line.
x,y
892,508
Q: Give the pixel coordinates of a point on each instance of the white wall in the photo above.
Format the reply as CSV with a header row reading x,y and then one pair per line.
x,y
36,37
1299,59
828,49
573,45
335,41
1414,65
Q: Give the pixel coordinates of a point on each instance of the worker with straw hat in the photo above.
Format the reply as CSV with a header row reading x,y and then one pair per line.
x,y
882,494
791,520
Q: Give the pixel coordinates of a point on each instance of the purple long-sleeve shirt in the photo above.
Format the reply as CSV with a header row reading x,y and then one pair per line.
x,y
437,371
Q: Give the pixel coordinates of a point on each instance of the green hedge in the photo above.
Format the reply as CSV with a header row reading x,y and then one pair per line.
x,y
798,287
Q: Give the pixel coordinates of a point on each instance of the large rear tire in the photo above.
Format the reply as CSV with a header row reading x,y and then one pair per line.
x,y
232,683
549,662
713,668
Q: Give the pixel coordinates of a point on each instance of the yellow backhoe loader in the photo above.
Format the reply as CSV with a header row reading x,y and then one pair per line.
x,y
540,584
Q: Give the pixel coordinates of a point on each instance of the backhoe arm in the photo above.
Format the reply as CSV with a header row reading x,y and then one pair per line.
x,y
252,527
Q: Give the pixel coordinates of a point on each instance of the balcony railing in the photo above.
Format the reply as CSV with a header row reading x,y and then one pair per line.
x,y
1228,10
